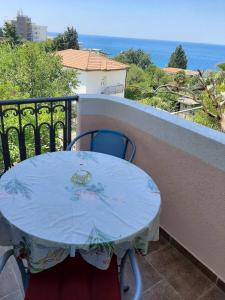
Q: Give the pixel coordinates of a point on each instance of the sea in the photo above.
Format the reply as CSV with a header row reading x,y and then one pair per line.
x,y
200,56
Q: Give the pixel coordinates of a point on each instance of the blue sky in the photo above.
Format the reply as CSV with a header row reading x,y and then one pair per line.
x,y
180,20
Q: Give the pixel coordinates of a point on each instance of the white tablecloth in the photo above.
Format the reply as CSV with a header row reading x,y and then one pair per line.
x,y
55,204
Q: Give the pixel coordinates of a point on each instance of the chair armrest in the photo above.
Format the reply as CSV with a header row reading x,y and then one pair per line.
x,y
4,258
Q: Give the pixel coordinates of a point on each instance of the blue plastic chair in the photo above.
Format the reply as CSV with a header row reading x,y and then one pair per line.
x,y
129,254
109,142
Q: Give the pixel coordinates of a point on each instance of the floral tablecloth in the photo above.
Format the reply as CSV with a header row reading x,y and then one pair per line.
x,y
56,204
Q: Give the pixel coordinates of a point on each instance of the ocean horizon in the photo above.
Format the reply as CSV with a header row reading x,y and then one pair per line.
x,y
200,55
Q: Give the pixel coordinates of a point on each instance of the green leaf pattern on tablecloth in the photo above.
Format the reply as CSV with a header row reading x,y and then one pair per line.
x,y
15,186
100,242
22,250
52,257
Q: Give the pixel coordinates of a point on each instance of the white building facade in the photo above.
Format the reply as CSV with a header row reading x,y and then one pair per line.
x,y
39,33
28,30
97,74
102,82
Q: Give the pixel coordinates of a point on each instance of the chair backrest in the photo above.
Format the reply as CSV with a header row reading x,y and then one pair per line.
x,y
109,142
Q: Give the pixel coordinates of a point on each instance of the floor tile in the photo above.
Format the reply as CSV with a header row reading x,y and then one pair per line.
x,y
181,273
9,280
11,266
149,275
161,291
160,244
166,273
214,293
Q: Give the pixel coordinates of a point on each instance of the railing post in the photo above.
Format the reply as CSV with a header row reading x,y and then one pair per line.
x,y
52,131
4,143
5,151
21,137
69,121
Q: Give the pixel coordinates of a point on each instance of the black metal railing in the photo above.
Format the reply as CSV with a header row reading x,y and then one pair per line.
x,y
30,127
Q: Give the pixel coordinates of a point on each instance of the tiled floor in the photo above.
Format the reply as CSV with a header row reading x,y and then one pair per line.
x,y
166,273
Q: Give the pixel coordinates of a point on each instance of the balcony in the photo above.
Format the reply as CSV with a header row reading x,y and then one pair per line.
x,y
187,162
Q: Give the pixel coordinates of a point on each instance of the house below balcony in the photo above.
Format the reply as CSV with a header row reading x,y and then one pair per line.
x,y
97,74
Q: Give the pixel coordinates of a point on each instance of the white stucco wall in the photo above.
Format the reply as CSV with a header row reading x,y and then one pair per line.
x,y
94,82
82,82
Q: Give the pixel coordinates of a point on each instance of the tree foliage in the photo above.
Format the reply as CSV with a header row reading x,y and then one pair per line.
x,y
212,99
135,75
155,76
34,72
28,71
137,57
207,89
141,85
154,87
222,66
178,59
67,40
167,103
9,34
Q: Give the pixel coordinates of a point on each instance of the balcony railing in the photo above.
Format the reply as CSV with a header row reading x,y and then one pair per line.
x,y
32,126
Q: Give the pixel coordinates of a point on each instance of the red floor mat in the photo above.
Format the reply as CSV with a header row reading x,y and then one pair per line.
x,y
75,279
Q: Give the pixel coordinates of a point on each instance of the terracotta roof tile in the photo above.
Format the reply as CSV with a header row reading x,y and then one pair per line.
x,y
89,60
177,70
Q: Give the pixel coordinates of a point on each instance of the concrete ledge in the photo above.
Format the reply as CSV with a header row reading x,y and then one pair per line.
x,y
197,140
186,160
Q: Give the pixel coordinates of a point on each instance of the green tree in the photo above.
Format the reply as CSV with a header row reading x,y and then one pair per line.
x,y
222,66
137,57
35,72
9,33
67,40
1,32
165,103
180,78
212,100
178,59
155,77
207,89
133,92
47,45
141,85
135,75
28,71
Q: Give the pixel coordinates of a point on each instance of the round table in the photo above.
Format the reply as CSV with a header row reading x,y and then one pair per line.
x,y
55,204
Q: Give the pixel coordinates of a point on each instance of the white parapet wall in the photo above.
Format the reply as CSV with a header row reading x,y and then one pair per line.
x,y
186,160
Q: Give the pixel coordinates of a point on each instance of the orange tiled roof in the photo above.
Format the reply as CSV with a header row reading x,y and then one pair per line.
x,y
177,70
172,70
89,60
